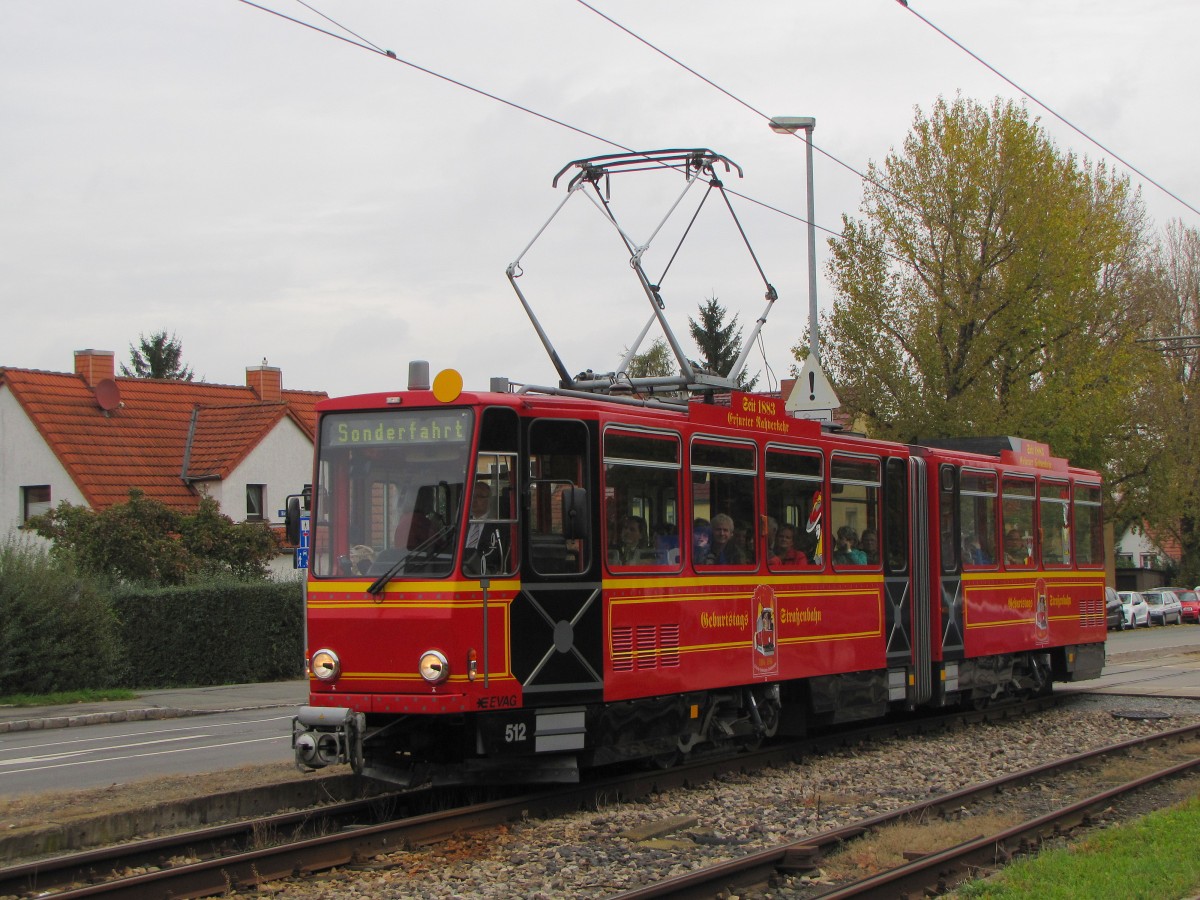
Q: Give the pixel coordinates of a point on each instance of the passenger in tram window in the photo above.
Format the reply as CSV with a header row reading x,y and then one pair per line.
x,y
701,542
632,546
666,547
846,550
744,542
725,551
361,557
869,543
973,552
786,553
1016,553
772,533
418,526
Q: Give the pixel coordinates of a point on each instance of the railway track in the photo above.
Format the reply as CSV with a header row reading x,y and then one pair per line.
x,y
213,860
934,872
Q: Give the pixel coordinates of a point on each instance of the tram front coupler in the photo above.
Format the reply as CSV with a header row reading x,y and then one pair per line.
x,y
327,735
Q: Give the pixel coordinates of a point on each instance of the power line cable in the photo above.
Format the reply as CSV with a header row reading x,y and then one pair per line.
x,y
729,94
1047,108
364,44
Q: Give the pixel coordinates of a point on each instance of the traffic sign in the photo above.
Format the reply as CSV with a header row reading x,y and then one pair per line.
x,y
812,393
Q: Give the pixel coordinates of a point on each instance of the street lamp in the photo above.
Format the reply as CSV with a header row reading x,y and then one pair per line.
x,y
790,125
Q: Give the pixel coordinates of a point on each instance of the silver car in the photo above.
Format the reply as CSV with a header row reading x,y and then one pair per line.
x,y
1137,611
1165,608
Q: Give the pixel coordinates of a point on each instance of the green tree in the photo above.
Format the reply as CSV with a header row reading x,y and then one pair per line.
x,y
222,546
993,285
158,356
719,343
1170,404
656,361
143,541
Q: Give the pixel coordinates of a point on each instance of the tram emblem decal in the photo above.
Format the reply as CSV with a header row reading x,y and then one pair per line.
x,y
765,662
1041,615
813,526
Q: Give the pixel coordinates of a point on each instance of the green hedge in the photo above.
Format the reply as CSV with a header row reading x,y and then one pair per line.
x,y
232,633
57,628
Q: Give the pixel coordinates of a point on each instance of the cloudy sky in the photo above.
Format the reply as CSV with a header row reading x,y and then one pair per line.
x,y
264,190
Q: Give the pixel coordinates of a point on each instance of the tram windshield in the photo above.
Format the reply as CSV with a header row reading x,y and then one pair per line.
x,y
389,492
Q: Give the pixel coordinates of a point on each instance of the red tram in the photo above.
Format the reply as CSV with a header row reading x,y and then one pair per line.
x,y
524,585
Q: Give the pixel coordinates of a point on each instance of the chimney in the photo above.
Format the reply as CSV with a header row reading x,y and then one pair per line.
x,y
94,366
266,381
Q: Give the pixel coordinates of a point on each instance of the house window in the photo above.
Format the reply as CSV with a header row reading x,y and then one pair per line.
x,y
35,501
1150,561
1124,560
256,500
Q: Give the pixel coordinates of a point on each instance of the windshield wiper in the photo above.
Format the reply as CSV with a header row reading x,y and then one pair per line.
x,y
379,583
450,527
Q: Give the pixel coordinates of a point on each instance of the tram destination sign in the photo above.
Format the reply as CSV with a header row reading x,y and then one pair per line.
x,y
391,429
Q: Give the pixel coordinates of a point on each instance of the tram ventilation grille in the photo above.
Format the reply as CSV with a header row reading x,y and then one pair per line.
x,y
647,647
1093,613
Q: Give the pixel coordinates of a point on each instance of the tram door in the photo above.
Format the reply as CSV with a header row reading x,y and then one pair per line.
x,y
949,566
907,642
557,617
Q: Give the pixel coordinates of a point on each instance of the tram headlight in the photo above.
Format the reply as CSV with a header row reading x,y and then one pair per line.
x,y
433,667
325,665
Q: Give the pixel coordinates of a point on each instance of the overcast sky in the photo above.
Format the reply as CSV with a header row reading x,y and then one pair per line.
x,y
265,191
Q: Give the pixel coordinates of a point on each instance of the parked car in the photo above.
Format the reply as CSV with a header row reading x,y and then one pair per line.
x,y
1165,608
1114,610
1190,601
1137,611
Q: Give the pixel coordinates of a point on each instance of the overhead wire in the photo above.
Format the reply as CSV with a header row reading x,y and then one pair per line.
x,y
364,44
975,56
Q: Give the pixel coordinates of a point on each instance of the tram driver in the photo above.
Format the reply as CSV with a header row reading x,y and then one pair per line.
x,y
485,552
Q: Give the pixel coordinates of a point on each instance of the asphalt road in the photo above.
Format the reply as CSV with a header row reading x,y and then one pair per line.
x,y
1156,637
93,756
33,762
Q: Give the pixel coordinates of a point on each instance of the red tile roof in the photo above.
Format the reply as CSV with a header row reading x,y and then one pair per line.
x,y
143,442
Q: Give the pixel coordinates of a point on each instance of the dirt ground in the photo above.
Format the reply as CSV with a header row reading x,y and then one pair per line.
x,y
36,810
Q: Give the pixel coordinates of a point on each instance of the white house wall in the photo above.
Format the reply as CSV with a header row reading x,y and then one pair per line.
x,y
283,461
27,460
1134,542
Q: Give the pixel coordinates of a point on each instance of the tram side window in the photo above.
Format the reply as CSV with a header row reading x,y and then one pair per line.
x,y
854,510
558,466
723,511
1089,538
1054,522
490,547
948,527
977,518
895,515
641,491
1017,509
794,509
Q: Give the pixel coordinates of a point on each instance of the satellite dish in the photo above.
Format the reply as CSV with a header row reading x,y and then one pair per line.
x,y
108,395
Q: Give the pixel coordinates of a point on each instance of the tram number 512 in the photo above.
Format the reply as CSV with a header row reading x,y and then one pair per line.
x,y
514,732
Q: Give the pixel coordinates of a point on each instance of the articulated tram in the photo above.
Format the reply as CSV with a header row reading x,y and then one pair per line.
x,y
514,585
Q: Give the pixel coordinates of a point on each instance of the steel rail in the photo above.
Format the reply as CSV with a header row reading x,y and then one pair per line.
x,y
238,862
802,855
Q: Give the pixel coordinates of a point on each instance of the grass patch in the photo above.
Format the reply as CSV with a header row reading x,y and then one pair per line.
x,y
63,698
1149,859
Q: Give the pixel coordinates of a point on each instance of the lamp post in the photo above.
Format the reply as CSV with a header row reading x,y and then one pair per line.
x,y
790,125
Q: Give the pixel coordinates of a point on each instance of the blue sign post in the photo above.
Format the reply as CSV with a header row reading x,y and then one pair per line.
x,y
301,559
